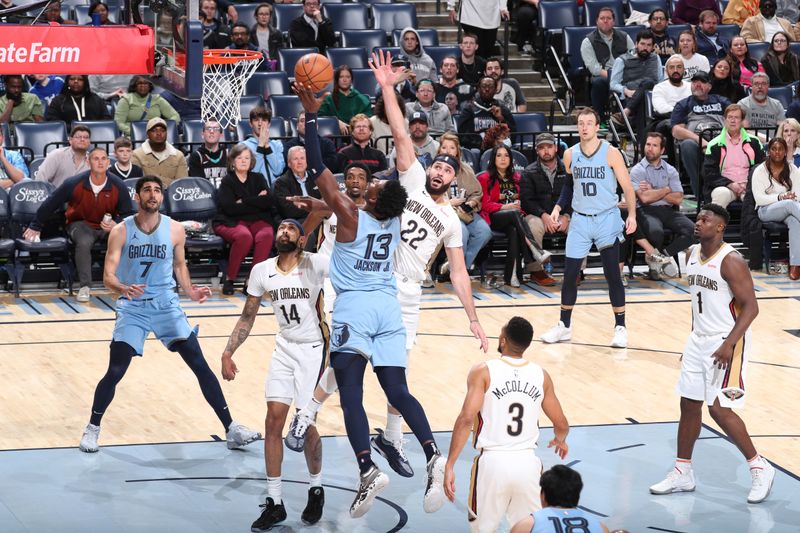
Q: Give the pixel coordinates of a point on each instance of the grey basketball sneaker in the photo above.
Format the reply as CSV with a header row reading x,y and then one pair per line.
x,y
370,484
239,435
89,439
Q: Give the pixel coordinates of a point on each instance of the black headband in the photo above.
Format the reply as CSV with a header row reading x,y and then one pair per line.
x,y
450,160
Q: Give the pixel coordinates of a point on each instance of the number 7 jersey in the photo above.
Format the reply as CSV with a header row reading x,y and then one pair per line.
x,y
509,417
146,258
296,296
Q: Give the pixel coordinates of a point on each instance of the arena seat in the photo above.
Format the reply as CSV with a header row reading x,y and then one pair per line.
x,y
647,6
33,167
288,57
674,30
103,131
354,57
6,245
592,7
728,31
25,198
632,30
7,140
326,126
553,17
757,50
195,199
364,82
428,36
37,135
366,39
266,84
247,13
390,17
285,106
284,14
249,102
139,132
347,16
785,95
527,123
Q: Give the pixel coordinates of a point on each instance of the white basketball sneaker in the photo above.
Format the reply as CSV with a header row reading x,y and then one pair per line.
x,y
89,439
238,435
676,481
763,475
620,339
434,484
370,484
557,334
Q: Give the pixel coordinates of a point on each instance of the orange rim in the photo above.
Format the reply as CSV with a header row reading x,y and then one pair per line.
x,y
228,57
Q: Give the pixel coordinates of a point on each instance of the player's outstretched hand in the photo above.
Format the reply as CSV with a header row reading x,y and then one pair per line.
x,y
199,294
477,331
311,103
133,291
561,447
229,369
449,483
630,225
381,65
309,204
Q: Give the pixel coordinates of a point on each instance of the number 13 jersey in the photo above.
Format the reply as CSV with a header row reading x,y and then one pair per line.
x,y
296,296
509,418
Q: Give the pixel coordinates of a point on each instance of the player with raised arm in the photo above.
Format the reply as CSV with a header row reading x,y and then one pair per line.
x,y
501,408
594,168
428,220
367,324
714,361
143,252
293,282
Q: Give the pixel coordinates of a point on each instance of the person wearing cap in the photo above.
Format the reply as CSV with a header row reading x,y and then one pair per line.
x,y
293,283
63,163
425,146
141,103
246,212
689,118
360,149
89,197
539,189
438,116
157,157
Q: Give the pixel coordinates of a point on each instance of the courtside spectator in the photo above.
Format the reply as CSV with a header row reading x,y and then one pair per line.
x,y
77,102
16,105
599,50
294,182
730,158
439,120
123,153
157,157
88,197
311,29
141,103
359,150
722,82
691,11
63,163
246,213
664,45
345,101
215,33
268,153
100,9
780,63
12,166
761,111
789,131
210,161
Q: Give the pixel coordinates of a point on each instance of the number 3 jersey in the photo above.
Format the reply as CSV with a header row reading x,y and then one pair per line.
x,y
423,225
714,308
296,296
146,258
509,418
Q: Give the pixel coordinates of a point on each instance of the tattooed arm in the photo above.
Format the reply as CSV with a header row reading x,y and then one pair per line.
x,y
239,335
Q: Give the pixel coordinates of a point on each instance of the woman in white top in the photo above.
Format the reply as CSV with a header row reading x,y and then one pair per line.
x,y
692,61
776,183
789,131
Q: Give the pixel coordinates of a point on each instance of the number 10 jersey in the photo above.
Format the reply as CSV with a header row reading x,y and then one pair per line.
x,y
509,418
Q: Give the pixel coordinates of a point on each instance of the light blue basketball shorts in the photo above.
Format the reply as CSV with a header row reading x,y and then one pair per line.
x,y
601,230
162,315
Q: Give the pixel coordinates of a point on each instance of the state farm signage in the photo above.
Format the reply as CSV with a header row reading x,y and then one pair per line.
x,y
76,49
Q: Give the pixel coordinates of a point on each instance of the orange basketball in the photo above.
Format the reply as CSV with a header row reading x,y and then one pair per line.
x,y
314,70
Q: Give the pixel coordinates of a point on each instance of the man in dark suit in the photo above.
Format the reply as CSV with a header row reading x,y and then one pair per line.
x,y
295,182
328,148
310,29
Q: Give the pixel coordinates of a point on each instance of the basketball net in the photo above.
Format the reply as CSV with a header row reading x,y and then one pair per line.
x,y
225,75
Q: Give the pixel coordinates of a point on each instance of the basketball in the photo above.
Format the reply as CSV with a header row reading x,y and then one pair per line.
x,y
314,71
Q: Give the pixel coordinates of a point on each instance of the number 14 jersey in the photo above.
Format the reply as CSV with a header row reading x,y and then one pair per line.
x,y
296,296
509,418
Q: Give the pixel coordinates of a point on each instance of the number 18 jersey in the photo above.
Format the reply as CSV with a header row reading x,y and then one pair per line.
x,y
296,296
509,418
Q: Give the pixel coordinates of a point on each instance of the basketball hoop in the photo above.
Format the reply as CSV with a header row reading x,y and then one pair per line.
x,y
225,75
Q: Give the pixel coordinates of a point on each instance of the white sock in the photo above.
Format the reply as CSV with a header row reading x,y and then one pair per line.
x,y
315,480
274,490
684,466
394,427
756,462
312,408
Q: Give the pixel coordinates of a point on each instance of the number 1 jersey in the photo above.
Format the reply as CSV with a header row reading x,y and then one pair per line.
x,y
296,296
509,418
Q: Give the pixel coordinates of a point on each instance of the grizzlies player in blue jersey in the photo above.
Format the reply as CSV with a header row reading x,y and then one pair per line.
x,y
367,323
561,490
594,168
143,251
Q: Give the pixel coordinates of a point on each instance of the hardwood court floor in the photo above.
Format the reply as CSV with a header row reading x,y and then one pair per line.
x,y
53,351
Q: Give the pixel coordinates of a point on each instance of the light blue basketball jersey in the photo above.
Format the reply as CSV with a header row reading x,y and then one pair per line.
x,y
594,183
147,259
366,263
559,520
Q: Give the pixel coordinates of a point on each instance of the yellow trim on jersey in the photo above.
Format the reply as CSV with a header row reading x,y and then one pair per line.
x,y
477,426
472,498
700,254
279,270
324,330
733,374
505,359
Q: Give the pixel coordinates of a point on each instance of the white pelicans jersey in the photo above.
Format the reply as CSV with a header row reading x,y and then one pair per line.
x,y
424,225
714,308
296,296
328,236
509,418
